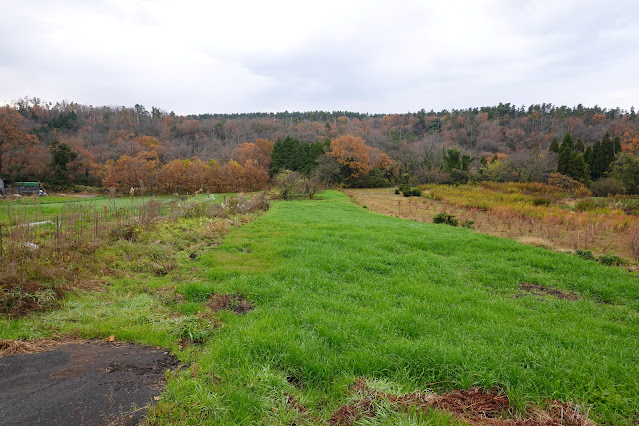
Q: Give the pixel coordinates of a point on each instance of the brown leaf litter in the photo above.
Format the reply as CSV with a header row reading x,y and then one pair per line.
x,y
475,406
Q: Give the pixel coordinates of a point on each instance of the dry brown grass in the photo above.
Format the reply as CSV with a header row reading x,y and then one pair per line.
x,y
500,210
19,347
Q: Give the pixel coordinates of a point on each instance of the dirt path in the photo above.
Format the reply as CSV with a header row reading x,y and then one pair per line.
x,y
88,383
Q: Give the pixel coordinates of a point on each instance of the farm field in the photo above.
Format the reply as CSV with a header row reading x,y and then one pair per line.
x,y
321,311
531,213
34,208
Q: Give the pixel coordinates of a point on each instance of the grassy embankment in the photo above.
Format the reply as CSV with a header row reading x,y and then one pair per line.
x,y
342,293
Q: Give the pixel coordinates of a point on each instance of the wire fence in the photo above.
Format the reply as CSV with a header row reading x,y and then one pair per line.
x,y
83,223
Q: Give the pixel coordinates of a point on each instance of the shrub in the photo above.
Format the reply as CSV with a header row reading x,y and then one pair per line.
x,y
542,201
585,254
569,184
607,186
289,183
468,224
446,219
408,191
396,191
611,260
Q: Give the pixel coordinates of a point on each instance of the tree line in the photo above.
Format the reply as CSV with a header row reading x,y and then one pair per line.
x,y
66,144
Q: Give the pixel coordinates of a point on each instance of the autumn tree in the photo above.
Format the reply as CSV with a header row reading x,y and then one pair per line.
x,y
129,172
20,153
180,176
258,151
352,155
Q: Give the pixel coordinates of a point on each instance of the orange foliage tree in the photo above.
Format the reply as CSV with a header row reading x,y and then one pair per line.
x,y
129,172
233,177
351,153
188,175
21,156
259,152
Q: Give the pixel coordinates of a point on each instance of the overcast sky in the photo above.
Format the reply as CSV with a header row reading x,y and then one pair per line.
x,y
194,56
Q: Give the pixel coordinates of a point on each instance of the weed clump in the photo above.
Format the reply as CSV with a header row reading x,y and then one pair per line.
x,y
585,254
612,260
542,202
196,330
129,232
446,219
468,224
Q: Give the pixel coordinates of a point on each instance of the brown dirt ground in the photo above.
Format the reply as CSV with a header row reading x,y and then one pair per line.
x,y
229,302
79,382
542,291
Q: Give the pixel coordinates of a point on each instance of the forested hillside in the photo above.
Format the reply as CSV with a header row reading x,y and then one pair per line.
x,y
67,144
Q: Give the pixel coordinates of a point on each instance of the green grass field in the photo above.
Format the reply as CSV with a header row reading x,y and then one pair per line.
x,y
45,208
341,293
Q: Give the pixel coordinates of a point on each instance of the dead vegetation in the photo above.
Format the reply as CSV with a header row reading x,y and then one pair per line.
x,y
475,406
563,222
229,302
20,347
543,291
41,261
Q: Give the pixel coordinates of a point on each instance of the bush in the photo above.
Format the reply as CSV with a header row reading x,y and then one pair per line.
x,y
542,201
407,191
289,184
446,219
568,184
468,224
397,191
585,254
611,260
607,186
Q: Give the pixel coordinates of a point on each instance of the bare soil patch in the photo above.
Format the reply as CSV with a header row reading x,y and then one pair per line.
x,y
475,406
543,291
229,302
80,382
